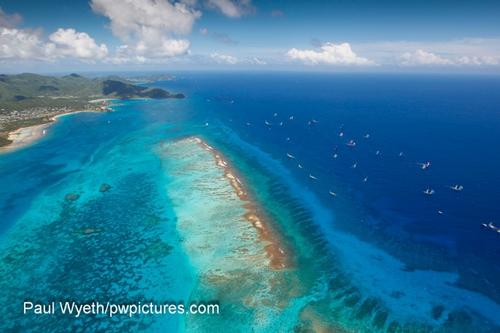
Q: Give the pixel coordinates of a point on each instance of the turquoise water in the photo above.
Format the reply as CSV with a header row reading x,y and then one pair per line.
x,y
128,207
119,245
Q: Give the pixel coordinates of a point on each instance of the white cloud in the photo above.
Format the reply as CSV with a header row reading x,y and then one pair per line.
x,y
459,52
149,28
71,43
421,57
424,58
203,31
479,60
21,44
329,53
232,8
224,58
122,55
28,44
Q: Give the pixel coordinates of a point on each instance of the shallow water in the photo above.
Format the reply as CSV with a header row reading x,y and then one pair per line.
x,y
375,257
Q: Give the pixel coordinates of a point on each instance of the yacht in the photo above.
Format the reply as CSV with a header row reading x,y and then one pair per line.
x,y
457,188
425,166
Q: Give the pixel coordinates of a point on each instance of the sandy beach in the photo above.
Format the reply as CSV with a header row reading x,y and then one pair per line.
x,y
25,136
101,100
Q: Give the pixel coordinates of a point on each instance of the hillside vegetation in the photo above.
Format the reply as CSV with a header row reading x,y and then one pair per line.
x,y
28,99
31,90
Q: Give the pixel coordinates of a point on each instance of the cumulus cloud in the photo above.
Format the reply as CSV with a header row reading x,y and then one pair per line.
x,y
69,42
223,58
149,28
424,58
29,44
22,44
421,57
64,43
329,53
466,52
232,8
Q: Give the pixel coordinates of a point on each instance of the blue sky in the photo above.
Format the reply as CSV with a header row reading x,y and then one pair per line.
x,y
325,35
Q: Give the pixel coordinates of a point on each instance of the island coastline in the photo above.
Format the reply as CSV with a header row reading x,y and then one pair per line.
x,y
28,100
24,136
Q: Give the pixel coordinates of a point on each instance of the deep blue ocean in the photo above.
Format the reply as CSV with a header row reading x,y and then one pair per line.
x,y
451,121
410,258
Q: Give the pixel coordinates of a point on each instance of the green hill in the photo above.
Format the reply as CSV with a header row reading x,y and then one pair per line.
x,y
33,85
127,90
26,87
30,99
